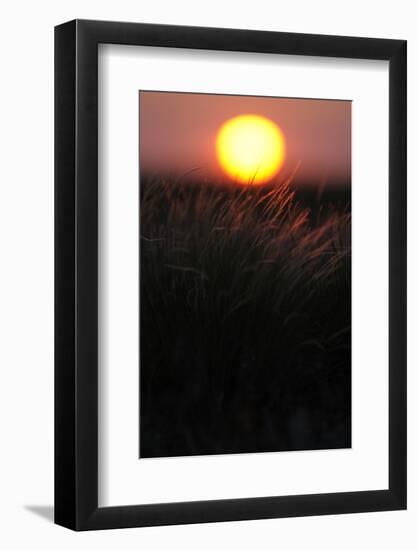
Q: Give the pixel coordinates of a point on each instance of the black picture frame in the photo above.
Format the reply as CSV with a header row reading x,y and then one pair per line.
x,y
76,271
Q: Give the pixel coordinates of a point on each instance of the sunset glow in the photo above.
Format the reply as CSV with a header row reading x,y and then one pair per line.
x,y
244,274
250,149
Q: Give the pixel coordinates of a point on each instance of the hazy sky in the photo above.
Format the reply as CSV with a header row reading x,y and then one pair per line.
x,y
178,133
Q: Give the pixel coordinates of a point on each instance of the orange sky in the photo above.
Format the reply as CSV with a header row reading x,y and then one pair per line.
x,y
178,133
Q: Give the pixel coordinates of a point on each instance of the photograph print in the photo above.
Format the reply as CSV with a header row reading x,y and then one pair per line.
x,y
245,274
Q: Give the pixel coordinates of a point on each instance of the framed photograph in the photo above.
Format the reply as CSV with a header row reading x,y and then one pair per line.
x,y
230,285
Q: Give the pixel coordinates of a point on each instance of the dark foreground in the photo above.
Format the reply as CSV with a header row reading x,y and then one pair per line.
x,y
244,319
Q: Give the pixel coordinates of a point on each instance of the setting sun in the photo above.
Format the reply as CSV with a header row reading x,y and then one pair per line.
x,y
250,149
244,274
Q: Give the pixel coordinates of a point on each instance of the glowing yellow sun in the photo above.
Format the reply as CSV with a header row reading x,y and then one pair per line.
x,y
250,148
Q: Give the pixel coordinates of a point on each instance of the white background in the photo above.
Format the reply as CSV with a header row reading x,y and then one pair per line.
x,y
26,301
123,479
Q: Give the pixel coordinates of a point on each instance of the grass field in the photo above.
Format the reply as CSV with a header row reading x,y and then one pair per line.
x,y
245,318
